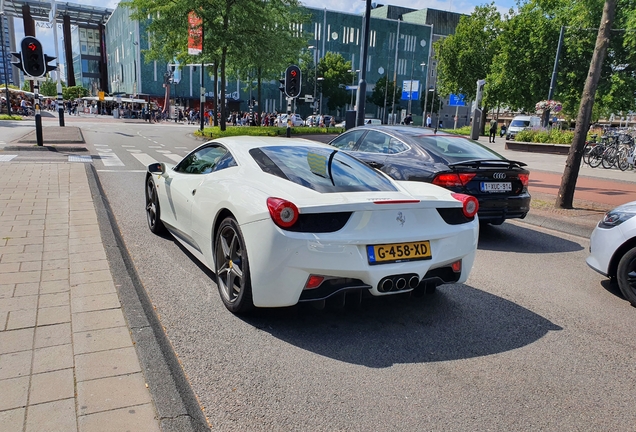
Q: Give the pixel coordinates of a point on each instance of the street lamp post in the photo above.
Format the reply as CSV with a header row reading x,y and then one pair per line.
x,y
315,73
352,83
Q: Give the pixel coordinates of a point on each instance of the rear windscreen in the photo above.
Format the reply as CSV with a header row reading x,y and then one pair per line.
x,y
321,169
454,148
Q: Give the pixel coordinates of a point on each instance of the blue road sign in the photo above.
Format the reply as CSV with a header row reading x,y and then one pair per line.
x,y
457,100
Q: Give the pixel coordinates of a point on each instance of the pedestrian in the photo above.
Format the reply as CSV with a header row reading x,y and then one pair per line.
x,y
332,123
428,120
408,119
493,130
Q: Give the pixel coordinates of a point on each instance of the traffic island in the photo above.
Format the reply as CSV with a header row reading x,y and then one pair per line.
x,y
69,139
538,147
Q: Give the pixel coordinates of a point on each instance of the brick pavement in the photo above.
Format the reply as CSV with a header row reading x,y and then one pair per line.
x,y
67,360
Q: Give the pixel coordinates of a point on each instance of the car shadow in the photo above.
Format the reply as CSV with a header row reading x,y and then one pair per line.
x,y
611,286
516,238
458,322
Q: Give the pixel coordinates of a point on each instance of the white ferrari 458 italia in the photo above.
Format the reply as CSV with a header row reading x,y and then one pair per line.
x,y
282,221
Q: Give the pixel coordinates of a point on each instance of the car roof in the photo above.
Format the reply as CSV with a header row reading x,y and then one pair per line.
x,y
405,130
246,143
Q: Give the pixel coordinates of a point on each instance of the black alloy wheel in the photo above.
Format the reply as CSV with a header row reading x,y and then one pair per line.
x,y
232,268
626,275
153,213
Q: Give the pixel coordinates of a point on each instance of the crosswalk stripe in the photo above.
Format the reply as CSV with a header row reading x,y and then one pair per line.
x,y
144,158
174,157
109,158
80,158
6,158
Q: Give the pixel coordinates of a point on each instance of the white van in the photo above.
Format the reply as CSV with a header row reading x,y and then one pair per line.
x,y
520,123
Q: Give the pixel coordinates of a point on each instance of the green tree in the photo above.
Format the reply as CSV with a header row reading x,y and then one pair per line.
x,y
74,92
49,87
381,94
467,56
333,69
26,86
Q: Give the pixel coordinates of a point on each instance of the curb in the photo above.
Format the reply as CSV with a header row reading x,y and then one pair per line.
x,y
556,224
52,148
176,404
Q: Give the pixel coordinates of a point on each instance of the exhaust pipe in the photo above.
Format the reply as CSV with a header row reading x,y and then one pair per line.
x,y
414,282
385,285
400,284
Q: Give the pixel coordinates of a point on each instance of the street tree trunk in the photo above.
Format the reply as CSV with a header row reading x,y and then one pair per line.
x,y
565,197
216,94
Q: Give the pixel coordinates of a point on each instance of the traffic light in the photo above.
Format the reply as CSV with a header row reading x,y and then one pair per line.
x,y
17,60
292,81
33,62
282,85
49,67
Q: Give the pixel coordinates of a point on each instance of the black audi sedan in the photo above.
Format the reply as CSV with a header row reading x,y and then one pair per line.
x,y
451,161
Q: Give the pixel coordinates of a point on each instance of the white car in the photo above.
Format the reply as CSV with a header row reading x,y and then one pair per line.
x,y
613,248
282,221
296,120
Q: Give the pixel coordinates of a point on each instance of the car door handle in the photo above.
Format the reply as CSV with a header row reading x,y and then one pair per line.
x,y
373,164
194,191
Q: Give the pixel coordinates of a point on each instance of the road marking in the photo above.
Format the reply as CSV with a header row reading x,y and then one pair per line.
x,y
144,158
154,147
181,148
163,151
80,158
174,157
101,145
7,158
109,158
134,150
127,146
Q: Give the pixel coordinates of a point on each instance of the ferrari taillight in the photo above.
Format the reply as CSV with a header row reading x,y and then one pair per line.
x,y
469,203
524,179
448,180
284,213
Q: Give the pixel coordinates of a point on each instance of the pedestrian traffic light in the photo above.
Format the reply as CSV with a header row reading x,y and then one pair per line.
x,y
33,62
292,81
282,85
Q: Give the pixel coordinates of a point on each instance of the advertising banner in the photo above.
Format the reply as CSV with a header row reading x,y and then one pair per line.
x,y
195,34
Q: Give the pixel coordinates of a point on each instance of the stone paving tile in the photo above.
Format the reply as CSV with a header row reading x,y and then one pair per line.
x,y
56,286
89,266
7,290
21,319
53,247
20,257
104,364
90,277
26,289
12,420
50,335
92,303
52,358
95,255
51,386
94,288
54,315
53,416
31,266
16,340
55,299
57,274
96,320
18,303
12,267
16,364
139,418
14,393
53,264
14,249
100,340
4,316
111,393
21,277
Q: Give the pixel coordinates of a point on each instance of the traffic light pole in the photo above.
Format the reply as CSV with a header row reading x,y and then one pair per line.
x,y
38,115
60,99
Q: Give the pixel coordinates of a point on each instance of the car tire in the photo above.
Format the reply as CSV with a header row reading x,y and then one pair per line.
x,y
626,275
232,268
153,212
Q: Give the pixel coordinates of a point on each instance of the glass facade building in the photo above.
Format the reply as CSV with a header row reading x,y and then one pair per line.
x,y
86,58
5,53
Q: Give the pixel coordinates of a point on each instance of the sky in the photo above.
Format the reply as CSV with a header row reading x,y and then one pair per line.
x,y
45,35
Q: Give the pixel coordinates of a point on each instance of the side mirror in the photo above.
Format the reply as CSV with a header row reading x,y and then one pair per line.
x,y
157,168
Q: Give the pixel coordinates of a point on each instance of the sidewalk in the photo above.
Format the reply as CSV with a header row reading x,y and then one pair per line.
x,y
67,360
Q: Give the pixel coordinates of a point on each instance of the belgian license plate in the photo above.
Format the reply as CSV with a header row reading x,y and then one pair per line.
x,y
496,187
398,252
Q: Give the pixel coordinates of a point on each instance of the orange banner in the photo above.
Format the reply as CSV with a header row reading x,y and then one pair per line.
x,y
195,34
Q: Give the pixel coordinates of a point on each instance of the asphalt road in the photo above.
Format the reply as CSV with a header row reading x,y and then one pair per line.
x,y
534,340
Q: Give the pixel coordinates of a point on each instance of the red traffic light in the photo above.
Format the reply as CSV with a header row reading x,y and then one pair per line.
x,y
293,73
32,47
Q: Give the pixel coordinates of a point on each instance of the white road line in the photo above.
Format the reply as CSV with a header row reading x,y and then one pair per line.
x,y
163,151
181,148
134,150
127,146
144,158
174,157
7,158
109,158
154,147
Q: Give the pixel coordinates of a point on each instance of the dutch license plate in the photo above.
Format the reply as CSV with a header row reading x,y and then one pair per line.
x,y
397,252
496,187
